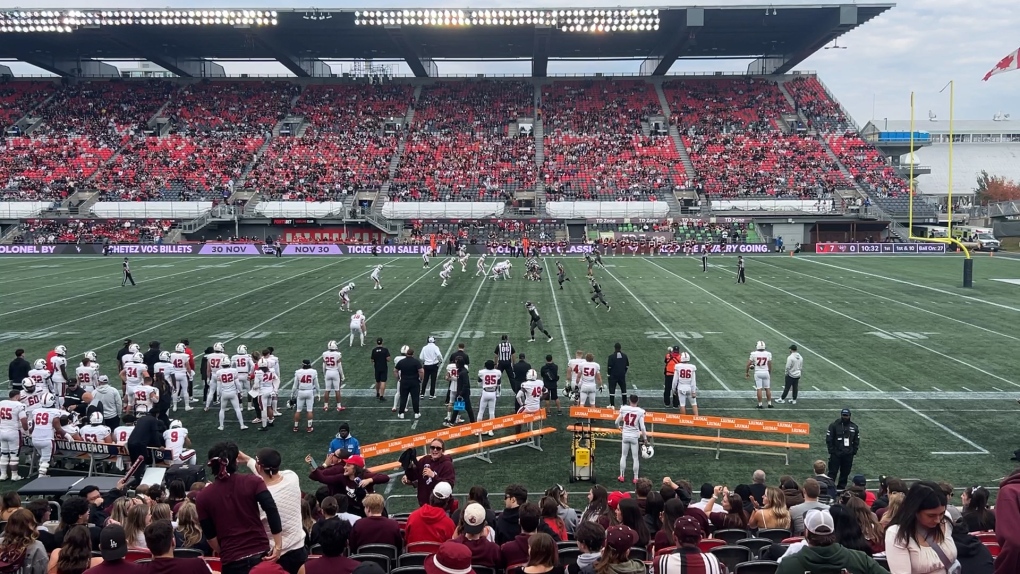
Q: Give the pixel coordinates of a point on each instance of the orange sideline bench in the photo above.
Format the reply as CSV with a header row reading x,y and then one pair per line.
x,y
480,449
705,422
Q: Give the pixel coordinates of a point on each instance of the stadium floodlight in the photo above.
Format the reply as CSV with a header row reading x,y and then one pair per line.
x,y
574,20
67,21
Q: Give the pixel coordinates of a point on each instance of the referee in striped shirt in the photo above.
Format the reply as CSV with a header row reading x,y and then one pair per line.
x,y
505,357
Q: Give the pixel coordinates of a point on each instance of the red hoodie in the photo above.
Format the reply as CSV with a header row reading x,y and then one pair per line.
x,y
1007,525
429,524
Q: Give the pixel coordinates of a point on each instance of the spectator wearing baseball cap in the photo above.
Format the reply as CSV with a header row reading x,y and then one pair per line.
x,y
113,546
345,474
451,558
822,553
543,557
687,558
431,523
333,536
859,488
472,531
616,553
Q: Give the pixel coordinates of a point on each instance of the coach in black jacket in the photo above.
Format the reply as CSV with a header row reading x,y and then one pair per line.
x,y
148,433
842,439
521,368
18,369
617,365
151,357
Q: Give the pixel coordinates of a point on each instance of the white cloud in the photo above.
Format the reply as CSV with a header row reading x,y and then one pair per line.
x,y
918,45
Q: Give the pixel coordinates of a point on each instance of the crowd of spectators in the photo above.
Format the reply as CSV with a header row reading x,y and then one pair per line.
x,y
867,165
48,231
83,126
595,145
784,526
822,113
18,98
730,130
347,147
459,147
482,231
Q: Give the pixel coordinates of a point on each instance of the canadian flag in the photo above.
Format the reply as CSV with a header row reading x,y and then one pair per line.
x,y
1006,64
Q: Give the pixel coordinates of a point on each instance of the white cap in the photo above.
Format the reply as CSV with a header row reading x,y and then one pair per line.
x,y
443,490
819,522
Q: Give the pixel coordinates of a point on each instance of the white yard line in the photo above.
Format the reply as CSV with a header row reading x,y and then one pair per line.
x,y
881,330
905,304
556,305
980,450
670,331
115,267
916,285
453,341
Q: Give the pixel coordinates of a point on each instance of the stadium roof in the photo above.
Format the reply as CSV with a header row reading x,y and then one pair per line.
x,y
778,38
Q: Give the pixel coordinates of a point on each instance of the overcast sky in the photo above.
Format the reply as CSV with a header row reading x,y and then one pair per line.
x,y
919,45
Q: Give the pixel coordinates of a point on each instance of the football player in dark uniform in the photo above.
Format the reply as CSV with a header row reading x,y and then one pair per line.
x,y
598,258
591,263
596,291
561,274
536,322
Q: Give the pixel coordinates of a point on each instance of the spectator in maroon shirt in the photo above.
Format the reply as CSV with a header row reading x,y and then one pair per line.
x,y
228,510
333,537
349,477
430,470
688,558
159,537
375,528
473,533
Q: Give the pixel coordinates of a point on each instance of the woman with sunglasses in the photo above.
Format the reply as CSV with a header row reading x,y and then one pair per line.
x,y
430,470
920,539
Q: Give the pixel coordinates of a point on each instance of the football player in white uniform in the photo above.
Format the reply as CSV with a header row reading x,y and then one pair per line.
x,y
228,386
243,364
480,266
306,386
58,369
162,365
359,327
425,259
589,379
13,421
685,383
133,375
45,428
376,277
122,433
146,394
445,275
40,375
462,257
31,394
268,385
180,363
214,362
631,422
345,297
87,374
332,375
502,269
574,373
489,378
530,397
761,362
177,441
96,431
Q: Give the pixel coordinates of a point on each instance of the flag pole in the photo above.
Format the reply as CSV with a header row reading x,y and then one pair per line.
x,y
910,180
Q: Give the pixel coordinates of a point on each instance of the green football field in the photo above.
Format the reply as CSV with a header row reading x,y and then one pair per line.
x,y
927,367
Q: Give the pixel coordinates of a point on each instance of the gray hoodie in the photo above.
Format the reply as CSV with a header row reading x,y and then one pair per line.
x,y
588,558
110,398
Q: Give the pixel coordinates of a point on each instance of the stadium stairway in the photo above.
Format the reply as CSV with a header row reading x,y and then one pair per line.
x,y
674,133
9,236
398,155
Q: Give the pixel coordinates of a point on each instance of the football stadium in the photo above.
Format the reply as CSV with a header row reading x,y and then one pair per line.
x,y
710,286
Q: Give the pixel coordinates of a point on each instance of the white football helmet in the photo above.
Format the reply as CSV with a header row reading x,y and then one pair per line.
x,y
378,267
242,350
91,356
40,364
28,384
331,346
685,358
359,313
96,418
60,350
647,451
138,358
759,346
532,375
263,363
164,356
48,400
350,285
176,424
180,348
404,350
134,348
129,358
217,347
432,339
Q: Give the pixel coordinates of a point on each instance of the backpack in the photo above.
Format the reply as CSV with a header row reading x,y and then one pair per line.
x,y
11,561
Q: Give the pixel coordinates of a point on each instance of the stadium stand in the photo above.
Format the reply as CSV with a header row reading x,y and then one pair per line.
x,y
460,147
216,130
821,112
596,147
474,232
699,231
731,132
39,231
18,98
345,148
